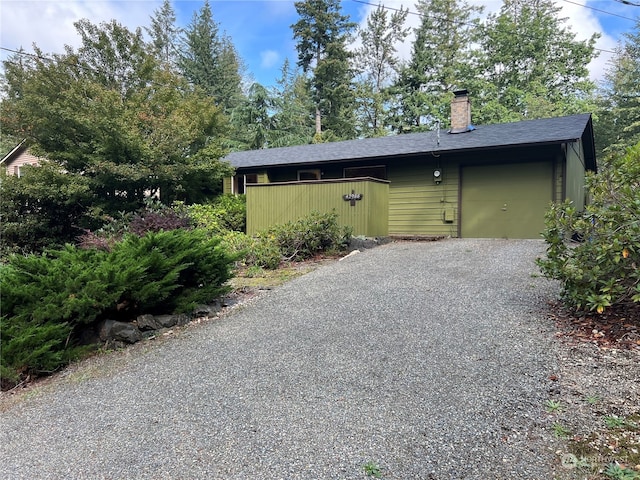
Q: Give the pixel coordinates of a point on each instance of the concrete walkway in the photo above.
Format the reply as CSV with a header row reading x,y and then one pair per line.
x,y
425,360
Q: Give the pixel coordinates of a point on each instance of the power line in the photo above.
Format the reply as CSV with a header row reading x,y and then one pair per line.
x,y
364,2
603,11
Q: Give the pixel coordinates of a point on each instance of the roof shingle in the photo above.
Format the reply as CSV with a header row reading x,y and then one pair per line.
x,y
527,132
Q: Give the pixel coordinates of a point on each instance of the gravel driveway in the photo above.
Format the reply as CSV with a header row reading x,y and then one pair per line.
x,y
425,360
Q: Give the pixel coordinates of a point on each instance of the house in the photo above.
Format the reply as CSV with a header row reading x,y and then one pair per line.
x,y
18,158
491,181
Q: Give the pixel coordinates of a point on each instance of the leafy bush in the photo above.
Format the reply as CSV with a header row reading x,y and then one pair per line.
x,y
601,271
43,208
227,213
260,251
298,240
315,233
154,217
46,297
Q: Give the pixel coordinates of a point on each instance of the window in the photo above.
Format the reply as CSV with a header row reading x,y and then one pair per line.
x,y
308,174
240,182
376,171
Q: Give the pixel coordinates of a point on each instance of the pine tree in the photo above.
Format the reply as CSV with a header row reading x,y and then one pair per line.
x,y
322,33
618,121
293,117
210,60
252,119
377,67
534,65
164,34
442,60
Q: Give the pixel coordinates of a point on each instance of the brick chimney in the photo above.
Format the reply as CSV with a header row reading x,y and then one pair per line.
x,y
461,112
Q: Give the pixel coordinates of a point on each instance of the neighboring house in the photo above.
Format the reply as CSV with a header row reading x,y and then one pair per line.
x,y
493,181
18,158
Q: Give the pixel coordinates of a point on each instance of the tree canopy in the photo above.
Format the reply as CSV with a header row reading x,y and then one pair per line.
x,y
322,33
618,125
118,127
533,64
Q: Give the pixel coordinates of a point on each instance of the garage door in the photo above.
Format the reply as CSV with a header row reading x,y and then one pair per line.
x,y
505,201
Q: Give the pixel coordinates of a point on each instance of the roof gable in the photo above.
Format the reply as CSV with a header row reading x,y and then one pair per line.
x,y
525,133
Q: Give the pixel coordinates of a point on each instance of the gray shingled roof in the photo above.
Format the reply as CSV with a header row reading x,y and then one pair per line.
x,y
527,132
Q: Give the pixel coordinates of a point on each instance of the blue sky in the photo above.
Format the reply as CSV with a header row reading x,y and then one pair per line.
x,y
260,29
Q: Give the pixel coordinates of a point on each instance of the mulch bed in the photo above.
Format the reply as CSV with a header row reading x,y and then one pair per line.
x,y
614,328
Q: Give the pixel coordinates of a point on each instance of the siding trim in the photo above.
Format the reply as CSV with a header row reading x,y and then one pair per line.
x,y
315,182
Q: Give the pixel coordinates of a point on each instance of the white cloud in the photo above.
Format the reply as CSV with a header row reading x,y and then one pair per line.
x,y
269,58
581,21
49,24
584,24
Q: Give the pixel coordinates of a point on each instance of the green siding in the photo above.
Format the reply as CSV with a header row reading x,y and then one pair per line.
x,y
273,204
558,176
575,180
417,204
505,201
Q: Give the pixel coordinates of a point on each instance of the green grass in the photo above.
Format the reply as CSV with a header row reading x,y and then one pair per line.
x,y
372,470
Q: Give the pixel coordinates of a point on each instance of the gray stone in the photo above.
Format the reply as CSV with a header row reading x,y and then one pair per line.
x,y
207,310
361,243
147,322
126,332
167,321
104,329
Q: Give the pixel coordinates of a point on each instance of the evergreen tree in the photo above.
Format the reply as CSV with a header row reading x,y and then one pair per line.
x,y
252,119
293,118
442,60
377,66
210,61
618,120
164,34
534,65
322,33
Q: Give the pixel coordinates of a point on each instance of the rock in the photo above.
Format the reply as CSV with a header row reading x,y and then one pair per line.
x,y
147,322
207,310
104,330
126,332
119,331
361,242
167,321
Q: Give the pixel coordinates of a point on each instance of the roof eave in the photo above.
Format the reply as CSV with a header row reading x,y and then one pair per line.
x,y
13,152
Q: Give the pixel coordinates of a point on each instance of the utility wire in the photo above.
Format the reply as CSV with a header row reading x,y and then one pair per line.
x,y
455,22
603,11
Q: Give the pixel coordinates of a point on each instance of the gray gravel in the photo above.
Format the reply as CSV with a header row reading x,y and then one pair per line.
x,y
428,360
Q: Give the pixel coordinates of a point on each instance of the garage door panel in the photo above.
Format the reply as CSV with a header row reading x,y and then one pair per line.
x,y
505,201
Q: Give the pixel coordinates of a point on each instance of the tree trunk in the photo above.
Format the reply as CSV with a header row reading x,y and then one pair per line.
x,y
318,122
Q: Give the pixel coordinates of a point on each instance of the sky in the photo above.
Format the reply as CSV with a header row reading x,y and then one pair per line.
x,y
261,30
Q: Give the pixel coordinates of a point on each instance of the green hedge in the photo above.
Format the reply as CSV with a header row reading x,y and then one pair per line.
x,y
46,297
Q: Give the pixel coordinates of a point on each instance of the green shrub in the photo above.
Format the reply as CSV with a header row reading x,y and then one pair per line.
x,y
315,233
46,297
227,213
602,270
261,251
153,217
298,240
